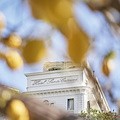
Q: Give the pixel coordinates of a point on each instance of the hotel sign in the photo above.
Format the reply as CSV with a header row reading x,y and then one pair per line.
x,y
54,80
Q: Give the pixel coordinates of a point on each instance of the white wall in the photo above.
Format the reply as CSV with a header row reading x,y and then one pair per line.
x,y
34,80
59,97
76,85
80,102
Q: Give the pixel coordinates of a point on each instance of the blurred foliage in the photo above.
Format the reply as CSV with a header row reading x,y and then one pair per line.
x,y
2,21
13,40
99,115
37,50
13,59
58,13
19,49
78,42
108,64
16,110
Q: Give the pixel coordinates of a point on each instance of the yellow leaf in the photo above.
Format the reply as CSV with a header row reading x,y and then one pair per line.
x,y
14,60
60,12
63,9
2,56
107,66
2,21
16,110
97,4
55,11
13,40
78,42
34,51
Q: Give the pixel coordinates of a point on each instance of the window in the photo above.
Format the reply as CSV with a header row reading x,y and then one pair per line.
x,y
46,102
70,104
51,104
88,106
100,105
54,68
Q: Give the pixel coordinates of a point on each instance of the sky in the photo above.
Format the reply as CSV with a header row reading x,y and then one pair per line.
x,y
94,24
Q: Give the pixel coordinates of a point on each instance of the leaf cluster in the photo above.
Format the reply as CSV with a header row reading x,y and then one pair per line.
x,y
99,115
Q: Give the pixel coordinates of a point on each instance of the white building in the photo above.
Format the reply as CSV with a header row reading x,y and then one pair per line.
x,y
67,86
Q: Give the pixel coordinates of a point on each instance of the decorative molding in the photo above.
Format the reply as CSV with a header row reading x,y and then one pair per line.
x,y
54,80
53,72
51,66
100,99
60,92
97,89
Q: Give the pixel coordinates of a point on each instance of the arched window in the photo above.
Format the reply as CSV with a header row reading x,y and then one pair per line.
x,y
46,102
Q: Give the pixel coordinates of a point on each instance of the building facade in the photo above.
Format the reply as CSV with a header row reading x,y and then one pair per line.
x,y
70,87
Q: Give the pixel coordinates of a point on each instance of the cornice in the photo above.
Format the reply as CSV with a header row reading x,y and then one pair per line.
x,y
58,92
97,88
53,72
